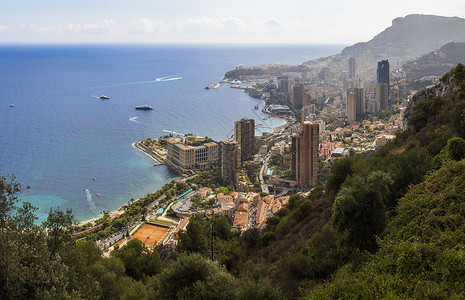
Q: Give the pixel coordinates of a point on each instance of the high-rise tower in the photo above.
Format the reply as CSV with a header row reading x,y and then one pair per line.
x,y
244,134
298,95
382,76
351,67
355,104
231,161
306,146
382,73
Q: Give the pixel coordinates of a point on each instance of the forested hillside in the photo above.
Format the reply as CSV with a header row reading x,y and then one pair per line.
x,y
389,224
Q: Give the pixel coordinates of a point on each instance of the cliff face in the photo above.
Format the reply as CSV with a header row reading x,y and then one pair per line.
x,y
444,88
410,37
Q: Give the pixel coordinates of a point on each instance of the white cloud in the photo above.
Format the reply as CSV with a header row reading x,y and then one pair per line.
x,y
32,27
4,28
144,25
105,26
217,26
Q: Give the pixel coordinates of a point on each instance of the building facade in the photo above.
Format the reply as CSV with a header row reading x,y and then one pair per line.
x,y
307,150
355,104
189,157
231,161
351,67
244,134
298,91
382,76
382,95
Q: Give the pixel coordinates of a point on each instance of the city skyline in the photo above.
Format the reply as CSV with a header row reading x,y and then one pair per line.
x,y
239,22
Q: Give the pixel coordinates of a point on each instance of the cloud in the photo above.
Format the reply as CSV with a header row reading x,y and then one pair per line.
x,y
144,25
216,26
4,28
103,27
32,27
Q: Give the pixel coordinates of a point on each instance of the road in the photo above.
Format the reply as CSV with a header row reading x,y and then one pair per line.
x,y
128,228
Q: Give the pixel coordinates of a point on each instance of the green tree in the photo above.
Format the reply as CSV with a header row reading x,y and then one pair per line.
x,y
258,290
139,261
456,148
59,225
195,237
251,238
221,228
359,211
196,277
28,270
342,168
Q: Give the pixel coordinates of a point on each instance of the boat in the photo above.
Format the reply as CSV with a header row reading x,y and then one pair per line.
x,y
213,86
93,178
144,107
103,97
97,194
12,105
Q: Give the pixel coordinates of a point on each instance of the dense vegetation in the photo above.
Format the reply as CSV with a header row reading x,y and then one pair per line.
x,y
390,224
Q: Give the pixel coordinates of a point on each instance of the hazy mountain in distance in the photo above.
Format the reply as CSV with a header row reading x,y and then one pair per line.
x,y
410,37
436,62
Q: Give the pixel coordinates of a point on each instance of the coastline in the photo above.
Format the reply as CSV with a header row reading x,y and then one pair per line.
x,y
149,152
161,161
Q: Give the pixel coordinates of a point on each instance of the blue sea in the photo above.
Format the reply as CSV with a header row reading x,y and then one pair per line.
x,y
60,135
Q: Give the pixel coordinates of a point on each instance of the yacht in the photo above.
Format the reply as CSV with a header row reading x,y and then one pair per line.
x,y
103,97
144,107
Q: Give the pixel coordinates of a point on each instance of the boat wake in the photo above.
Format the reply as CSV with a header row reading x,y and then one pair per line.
x,y
89,200
167,78
173,132
134,119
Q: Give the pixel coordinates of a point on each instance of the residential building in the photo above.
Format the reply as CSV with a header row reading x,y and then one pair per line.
x,y
382,95
355,104
351,67
382,76
231,161
185,156
298,92
307,151
244,134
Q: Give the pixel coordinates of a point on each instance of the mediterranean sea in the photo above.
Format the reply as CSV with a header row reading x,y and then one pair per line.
x,y
60,134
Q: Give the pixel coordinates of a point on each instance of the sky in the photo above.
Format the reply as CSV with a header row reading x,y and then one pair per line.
x,y
208,21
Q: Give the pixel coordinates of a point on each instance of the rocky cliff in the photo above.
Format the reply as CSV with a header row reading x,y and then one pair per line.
x,y
444,88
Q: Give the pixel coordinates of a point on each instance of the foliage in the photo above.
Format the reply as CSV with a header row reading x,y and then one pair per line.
x,y
196,277
212,238
138,260
342,168
359,214
421,255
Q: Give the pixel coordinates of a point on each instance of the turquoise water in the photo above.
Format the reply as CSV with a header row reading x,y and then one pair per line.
x,y
60,135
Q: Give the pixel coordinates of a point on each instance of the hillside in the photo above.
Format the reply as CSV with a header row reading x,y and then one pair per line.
x,y
436,62
389,224
409,37
388,219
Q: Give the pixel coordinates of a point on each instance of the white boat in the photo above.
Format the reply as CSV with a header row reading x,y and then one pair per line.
x,y
12,105
103,97
144,107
